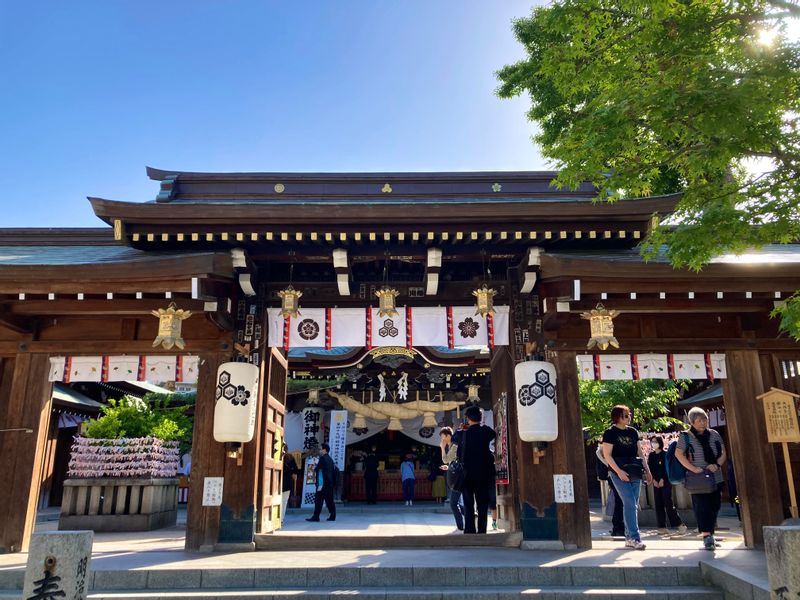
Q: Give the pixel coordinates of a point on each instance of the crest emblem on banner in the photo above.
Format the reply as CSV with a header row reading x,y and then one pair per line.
x,y
388,329
308,329
469,327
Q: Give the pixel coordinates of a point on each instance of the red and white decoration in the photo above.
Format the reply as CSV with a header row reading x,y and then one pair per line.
x,y
453,326
651,366
68,369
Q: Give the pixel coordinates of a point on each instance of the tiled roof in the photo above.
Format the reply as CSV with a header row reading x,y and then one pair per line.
x,y
76,255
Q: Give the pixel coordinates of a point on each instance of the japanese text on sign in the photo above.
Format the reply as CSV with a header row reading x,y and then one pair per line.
x,y
212,491
781,417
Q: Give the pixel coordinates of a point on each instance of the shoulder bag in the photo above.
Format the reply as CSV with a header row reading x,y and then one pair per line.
x,y
456,473
700,483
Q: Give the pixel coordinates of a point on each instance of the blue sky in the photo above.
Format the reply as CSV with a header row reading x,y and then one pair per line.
x,y
93,91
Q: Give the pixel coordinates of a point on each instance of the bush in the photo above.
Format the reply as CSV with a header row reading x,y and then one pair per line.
x,y
163,416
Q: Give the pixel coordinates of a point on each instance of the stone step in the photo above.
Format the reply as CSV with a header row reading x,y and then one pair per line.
x,y
289,542
456,578
418,593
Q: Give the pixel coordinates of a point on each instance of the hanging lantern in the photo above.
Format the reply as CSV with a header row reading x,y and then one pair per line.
x,y
313,398
170,320
485,300
290,302
602,327
237,398
386,301
472,393
537,415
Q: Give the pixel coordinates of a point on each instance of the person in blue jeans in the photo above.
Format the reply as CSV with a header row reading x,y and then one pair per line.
x,y
626,466
409,480
449,453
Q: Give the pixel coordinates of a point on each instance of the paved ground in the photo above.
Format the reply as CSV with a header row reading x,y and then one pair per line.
x,y
163,549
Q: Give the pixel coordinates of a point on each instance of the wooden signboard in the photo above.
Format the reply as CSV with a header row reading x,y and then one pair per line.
x,y
780,414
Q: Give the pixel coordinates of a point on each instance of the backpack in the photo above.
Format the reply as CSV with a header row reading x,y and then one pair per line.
x,y
676,472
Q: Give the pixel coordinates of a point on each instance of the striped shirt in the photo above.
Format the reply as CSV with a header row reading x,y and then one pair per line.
x,y
696,456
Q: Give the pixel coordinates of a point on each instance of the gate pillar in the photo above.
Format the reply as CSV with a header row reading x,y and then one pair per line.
x,y
532,468
753,458
25,404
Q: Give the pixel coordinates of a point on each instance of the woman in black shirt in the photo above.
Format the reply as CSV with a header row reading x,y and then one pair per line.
x,y
626,469
662,489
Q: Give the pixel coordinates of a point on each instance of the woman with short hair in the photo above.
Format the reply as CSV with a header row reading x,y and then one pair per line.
x,y
626,468
701,449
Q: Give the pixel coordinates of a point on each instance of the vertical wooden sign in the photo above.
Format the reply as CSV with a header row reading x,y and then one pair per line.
x,y
780,414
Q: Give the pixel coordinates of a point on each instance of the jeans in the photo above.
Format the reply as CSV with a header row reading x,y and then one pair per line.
x,y
629,492
454,498
408,489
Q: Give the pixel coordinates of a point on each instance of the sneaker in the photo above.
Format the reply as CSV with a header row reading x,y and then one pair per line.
x,y
635,544
682,529
709,543
494,525
662,531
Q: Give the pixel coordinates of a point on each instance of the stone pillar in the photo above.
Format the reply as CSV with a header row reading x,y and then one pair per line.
x,y
59,565
753,456
782,545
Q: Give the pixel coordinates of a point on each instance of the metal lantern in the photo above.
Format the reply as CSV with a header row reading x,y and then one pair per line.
x,y
386,301
485,300
472,393
170,320
290,302
537,414
602,327
237,399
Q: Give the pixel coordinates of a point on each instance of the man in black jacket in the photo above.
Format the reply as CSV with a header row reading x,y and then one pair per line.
x,y
479,466
325,485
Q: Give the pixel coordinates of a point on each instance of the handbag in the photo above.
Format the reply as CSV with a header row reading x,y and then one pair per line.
x,y
700,483
634,468
456,475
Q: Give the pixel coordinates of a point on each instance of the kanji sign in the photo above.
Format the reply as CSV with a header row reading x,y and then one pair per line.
x,y
780,414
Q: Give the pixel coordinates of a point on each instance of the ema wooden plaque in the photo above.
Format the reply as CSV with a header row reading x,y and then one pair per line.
x,y
781,416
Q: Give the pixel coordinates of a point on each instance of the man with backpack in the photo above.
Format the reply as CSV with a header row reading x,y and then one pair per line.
x,y
326,483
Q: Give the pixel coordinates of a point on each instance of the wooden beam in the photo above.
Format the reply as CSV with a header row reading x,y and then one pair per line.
x,y
105,347
16,323
118,306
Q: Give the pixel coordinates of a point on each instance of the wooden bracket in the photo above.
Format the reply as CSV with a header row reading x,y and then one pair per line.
x,y
537,454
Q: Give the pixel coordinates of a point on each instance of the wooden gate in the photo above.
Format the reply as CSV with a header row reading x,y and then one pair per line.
x,y
271,424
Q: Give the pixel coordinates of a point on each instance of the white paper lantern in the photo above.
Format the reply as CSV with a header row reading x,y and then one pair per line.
x,y
537,414
237,397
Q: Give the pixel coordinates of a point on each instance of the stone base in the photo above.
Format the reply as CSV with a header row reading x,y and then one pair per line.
x,y
782,546
149,522
59,565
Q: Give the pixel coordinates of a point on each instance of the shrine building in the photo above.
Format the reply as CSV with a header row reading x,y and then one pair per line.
x,y
386,269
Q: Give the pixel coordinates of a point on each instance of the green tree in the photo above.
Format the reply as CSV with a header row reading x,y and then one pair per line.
x,y
164,416
650,401
645,97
